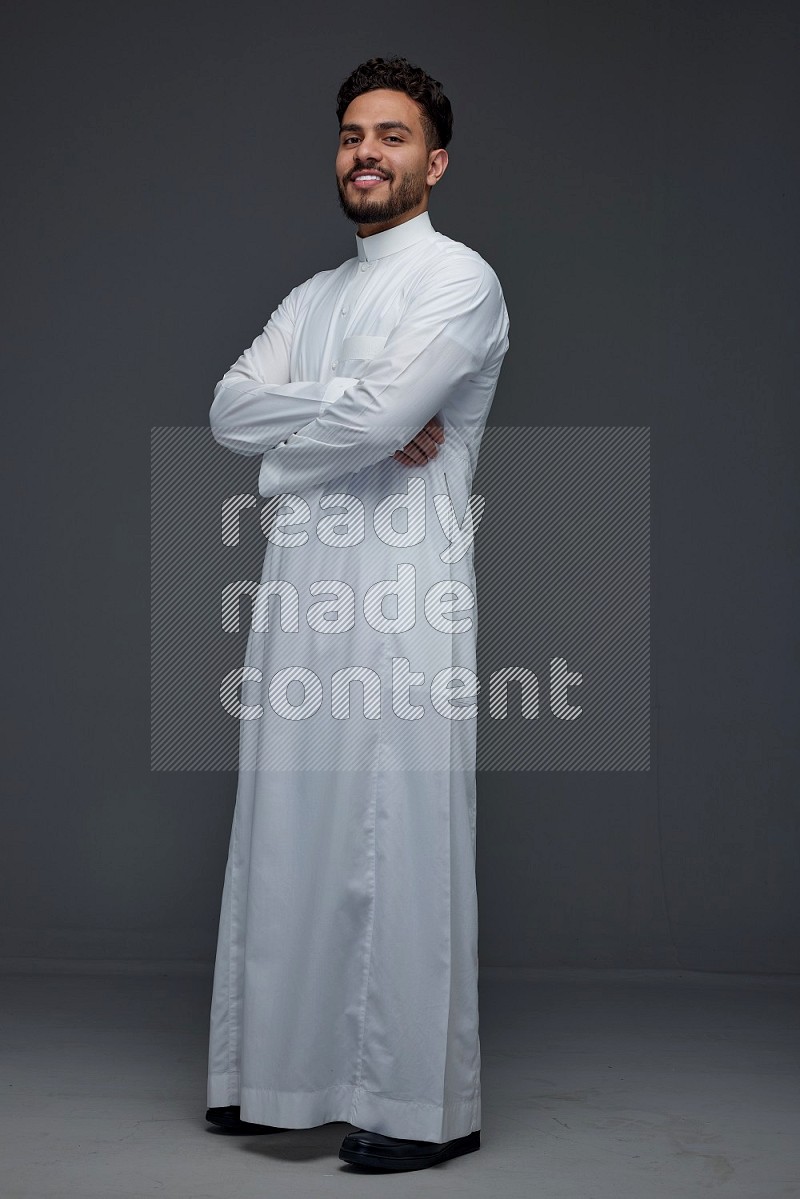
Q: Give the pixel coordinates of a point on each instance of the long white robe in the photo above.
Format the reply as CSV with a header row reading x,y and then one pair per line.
x,y
346,977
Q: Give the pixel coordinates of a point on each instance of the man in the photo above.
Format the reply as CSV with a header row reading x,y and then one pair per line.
x,y
345,986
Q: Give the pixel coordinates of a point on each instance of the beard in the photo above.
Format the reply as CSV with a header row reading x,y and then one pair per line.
x,y
402,197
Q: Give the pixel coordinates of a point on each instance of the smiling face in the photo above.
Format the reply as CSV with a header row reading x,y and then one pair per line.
x,y
384,171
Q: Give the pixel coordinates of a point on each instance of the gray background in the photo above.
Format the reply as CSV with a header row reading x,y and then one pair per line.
x,y
626,168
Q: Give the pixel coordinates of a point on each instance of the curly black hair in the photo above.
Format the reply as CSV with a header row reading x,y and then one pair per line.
x,y
398,74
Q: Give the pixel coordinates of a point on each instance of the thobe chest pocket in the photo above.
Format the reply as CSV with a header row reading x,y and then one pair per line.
x,y
361,348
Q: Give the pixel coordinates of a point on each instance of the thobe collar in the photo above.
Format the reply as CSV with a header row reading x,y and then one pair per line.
x,y
399,237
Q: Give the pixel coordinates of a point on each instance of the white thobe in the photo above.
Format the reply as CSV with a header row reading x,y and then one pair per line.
x,y
346,977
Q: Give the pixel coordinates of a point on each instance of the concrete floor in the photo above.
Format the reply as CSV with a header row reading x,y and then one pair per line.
x,y
596,1085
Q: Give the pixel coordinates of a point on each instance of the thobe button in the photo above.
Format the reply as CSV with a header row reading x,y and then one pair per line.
x,y
344,312
334,365
363,266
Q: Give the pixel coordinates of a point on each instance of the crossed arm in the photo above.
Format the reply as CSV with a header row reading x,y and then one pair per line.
x,y
310,432
255,405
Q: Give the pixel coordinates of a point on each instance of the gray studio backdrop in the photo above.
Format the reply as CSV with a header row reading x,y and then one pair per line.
x,y
625,169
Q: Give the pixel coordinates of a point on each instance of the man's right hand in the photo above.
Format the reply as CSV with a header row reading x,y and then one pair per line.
x,y
424,446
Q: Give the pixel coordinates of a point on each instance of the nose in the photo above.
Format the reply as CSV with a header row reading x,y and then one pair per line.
x,y
368,153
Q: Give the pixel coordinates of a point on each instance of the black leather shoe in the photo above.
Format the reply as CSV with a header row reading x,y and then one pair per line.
x,y
362,1148
227,1118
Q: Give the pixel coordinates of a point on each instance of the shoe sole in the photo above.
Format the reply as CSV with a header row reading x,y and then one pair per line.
x,y
355,1158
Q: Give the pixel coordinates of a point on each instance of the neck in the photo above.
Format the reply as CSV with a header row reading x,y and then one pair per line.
x,y
379,226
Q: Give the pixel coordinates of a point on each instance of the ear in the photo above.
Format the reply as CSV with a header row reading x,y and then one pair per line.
x,y
436,166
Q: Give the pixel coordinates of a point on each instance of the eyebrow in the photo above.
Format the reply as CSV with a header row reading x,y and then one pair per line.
x,y
351,128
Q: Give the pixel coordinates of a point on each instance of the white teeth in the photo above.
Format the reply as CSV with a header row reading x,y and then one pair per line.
x,y
367,176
